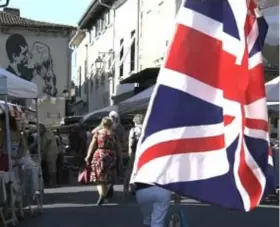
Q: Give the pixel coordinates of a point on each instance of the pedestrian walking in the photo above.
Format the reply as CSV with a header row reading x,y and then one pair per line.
x,y
104,150
133,138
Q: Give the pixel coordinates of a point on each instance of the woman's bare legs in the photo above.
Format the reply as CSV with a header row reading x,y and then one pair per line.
x,y
102,192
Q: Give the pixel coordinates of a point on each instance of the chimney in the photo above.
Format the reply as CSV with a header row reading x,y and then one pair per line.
x,y
12,11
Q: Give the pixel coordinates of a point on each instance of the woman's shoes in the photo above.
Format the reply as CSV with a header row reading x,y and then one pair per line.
x,y
100,201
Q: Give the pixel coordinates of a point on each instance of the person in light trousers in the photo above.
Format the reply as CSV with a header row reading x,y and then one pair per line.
x,y
154,203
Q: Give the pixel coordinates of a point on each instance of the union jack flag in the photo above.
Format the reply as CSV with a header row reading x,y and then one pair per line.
x,y
205,134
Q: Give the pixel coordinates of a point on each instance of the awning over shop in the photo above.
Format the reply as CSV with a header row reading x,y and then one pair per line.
x,y
272,90
136,103
274,106
71,119
271,14
94,116
142,76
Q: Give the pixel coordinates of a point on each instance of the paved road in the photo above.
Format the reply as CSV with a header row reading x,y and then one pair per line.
x,y
74,207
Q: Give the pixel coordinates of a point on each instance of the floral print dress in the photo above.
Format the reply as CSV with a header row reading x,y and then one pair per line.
x,y
104,158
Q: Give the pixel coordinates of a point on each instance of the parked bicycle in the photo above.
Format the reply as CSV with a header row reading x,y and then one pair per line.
x,y
178,217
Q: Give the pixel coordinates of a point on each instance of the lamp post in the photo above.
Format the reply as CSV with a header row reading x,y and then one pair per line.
x,y
99,63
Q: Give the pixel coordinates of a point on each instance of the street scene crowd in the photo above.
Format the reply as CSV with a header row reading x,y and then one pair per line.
x,y
80,172
101,155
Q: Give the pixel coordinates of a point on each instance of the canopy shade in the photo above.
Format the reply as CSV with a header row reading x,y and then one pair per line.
x,y
15,86
273,106
272,90
271,14
97,115
137,102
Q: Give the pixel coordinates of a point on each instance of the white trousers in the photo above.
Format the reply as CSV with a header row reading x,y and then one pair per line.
x,y
154,203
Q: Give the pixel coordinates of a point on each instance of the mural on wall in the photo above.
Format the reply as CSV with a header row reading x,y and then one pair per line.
x,y
32,64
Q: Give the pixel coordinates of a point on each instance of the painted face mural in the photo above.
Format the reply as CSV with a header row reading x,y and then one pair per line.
x,y
44,67
33,64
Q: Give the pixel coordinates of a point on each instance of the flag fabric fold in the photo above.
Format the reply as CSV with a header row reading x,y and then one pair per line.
x,y
205,133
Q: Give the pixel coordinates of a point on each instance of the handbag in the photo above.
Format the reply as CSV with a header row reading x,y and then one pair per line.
x,y
84,175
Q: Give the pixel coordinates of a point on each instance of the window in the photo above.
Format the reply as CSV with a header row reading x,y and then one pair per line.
x,y
80,81
132,52
121,57
106,17
91,35
94,31
102,24
98,27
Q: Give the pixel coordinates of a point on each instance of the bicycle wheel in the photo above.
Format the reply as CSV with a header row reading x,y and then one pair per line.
x,y
183,220
174,220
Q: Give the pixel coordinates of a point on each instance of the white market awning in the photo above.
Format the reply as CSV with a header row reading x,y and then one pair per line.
x,y
15,86
272,90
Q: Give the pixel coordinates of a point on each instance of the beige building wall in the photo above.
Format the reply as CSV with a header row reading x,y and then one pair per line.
x,y
99,85
49,53
79,60
157,27
126,26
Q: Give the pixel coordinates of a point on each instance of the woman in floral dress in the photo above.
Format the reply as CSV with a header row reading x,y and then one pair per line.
x,y
105,149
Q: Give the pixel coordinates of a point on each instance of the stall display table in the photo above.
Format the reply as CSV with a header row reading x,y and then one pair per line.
x,y
28,184
10,183
33,185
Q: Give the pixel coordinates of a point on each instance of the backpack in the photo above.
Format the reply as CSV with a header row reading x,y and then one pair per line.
x,y
136,133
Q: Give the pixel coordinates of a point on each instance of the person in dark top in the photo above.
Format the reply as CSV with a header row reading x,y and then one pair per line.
x,y
133,138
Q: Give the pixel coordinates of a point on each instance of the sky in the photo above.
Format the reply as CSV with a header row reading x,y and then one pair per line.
x,y
56,11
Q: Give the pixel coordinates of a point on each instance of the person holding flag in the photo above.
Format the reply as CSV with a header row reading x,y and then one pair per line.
x,y
211,142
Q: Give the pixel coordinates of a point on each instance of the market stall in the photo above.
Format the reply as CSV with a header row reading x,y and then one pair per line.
x,y
14,86
95,116
137,103
272,90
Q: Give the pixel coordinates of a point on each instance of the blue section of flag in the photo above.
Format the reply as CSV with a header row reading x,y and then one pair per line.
x,y
258,148
184,110
263,29
271,183
219,190
216,11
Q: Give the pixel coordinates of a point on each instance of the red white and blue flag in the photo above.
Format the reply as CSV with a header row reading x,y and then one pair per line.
x,y
206,131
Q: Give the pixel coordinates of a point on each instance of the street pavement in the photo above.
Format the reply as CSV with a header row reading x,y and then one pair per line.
x,y
75,207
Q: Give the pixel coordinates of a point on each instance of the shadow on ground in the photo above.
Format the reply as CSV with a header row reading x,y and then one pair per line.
x,y
86,197
75,207
80,195
129,215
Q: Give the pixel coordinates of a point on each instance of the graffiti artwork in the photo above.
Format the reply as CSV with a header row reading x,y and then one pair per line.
x,y
31,63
